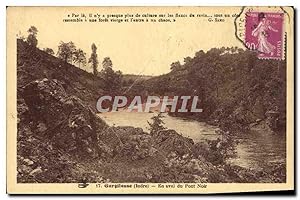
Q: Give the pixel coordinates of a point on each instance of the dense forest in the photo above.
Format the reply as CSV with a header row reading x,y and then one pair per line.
x,y
235,87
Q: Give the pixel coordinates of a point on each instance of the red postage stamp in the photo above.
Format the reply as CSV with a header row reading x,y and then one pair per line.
x,y
264,33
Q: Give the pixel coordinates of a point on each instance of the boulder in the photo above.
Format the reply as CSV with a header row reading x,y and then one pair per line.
x,y
128,142
168,141
66,120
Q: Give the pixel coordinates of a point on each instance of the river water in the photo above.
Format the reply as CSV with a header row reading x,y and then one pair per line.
x,y
255,149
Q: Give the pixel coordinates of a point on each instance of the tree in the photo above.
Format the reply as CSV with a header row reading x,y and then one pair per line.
x,y
31,38
107,63
94,59
187,60
175,66
112,79
79,57
157,124
199,53
20,36
66,51
49,51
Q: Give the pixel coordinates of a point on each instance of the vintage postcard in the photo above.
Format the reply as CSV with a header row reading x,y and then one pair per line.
x,y
150,100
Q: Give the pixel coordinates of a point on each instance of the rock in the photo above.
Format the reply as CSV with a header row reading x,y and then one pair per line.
x,y
23,169
168,141
64,119
152,151
258,120
258,108
128,142
28,162
41,127
22,108
272,119
36,171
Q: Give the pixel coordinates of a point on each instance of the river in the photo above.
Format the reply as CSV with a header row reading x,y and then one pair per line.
x,y
255,149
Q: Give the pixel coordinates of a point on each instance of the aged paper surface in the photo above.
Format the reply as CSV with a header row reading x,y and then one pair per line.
x,y
150,100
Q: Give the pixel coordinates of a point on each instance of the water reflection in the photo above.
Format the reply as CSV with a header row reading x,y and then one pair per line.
x,y
260,149
256,149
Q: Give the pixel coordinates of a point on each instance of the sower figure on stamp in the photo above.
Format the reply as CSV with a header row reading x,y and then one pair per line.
x,y
261,32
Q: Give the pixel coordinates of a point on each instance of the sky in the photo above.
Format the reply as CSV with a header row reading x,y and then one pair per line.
x,y
134,48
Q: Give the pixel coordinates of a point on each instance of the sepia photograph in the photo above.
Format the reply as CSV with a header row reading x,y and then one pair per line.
x,y
141,99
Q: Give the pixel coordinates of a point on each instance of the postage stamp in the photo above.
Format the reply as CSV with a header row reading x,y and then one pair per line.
x,y
264,33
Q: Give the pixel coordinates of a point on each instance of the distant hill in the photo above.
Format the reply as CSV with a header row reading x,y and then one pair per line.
x,y
133,77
